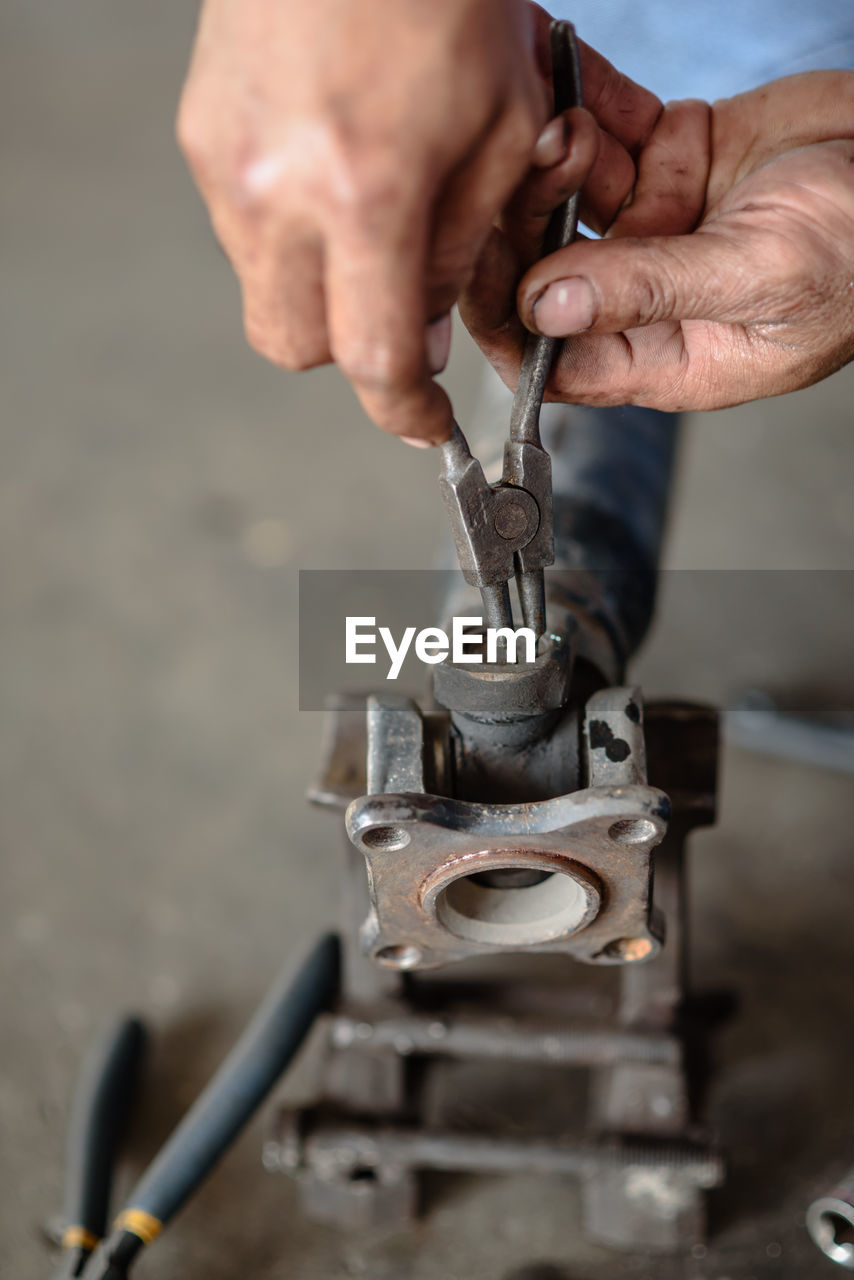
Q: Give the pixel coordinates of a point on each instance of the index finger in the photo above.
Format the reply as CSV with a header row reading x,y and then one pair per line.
x,y
375,291
620,106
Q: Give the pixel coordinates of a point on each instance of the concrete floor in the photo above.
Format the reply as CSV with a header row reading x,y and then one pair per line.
x,y
157,498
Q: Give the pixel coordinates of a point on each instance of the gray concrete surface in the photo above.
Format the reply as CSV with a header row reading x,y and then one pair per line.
x,y
157,853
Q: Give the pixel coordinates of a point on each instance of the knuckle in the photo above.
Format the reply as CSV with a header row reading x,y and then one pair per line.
x,y
360,171
282,348
191,134
233,168
380,368
365,189
657,288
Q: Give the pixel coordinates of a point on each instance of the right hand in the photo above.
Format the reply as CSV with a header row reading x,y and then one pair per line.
x,y
353,159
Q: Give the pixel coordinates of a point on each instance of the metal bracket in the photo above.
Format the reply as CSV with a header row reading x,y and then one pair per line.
x,y
450,879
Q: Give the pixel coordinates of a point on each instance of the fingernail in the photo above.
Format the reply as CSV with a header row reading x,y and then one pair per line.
x,y
551,144
567,306
438,341
418,442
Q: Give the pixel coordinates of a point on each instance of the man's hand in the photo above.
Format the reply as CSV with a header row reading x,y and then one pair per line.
x,y
727,271
353,159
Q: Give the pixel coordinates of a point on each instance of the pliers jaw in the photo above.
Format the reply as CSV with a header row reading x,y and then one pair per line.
x,y
501,530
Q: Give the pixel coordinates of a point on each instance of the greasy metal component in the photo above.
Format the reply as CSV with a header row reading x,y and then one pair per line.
x,y
427,856
337,1162
385,1042
343,771
830,1222
501,691
681,742
490,1037
425,1150
335,1186
423,853
395,723
514,762
343,774
507,528
656,1207
614,747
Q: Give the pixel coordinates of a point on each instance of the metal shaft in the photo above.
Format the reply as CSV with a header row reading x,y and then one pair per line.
x,y
532,596
497,610
480,1036
473,1153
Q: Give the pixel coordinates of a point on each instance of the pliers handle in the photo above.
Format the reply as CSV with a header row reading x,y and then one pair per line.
x,y
506,529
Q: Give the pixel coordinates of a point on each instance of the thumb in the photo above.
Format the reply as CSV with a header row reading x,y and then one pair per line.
x,y
607,286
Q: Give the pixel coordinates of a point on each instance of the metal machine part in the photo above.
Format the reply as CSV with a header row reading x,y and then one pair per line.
x,y
405,1017
830,1222
506,528
433,860
330,1156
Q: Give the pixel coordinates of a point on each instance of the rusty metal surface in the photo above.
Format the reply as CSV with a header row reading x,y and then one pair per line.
x,y
502,692
508,1039
344,749
429,856
427,909
633,1192
358,1150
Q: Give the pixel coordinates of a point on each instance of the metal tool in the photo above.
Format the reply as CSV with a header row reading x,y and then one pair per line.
x,y
830,1222
505,529
233,1095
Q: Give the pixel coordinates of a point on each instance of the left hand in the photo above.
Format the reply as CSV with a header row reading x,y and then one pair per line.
x,y
727,271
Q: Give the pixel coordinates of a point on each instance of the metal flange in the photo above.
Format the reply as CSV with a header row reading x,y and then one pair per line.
x,y
435,895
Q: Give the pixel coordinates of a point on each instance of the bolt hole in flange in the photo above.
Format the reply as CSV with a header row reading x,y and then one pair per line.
x,y
514,904
632,831
386,838
404,956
